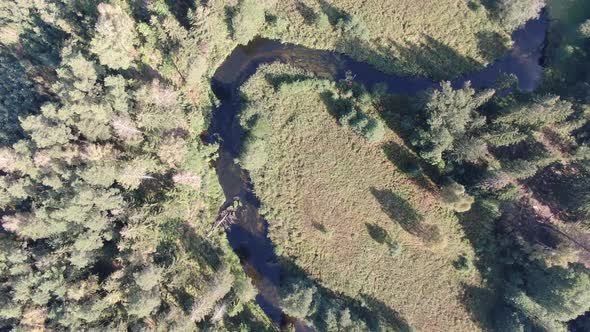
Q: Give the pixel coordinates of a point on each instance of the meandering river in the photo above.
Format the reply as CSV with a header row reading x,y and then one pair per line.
x,y
248,237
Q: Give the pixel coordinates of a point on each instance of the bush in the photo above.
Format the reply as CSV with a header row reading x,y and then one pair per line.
x,y
456,198
515,13
254,155
370,128
584,29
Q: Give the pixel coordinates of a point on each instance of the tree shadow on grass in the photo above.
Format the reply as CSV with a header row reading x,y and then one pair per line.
x,y
278,80
401,211
376,314
411,165
308,14
392,317
496,260
431,57
334,14
483,304
381,236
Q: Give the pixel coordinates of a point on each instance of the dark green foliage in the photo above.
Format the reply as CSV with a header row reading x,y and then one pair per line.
x,y
325,311
18,97
446,134
107,190
562,292
350,103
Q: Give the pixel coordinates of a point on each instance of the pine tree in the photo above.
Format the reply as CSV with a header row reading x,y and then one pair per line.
x,y
450,119
114,38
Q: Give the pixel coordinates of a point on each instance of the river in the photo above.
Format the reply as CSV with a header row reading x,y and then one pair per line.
x,y
248,237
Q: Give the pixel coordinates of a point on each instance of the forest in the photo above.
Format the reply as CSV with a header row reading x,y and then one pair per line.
x,y
135,155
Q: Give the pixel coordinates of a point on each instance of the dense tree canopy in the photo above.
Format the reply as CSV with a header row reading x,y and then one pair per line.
x,y
105,213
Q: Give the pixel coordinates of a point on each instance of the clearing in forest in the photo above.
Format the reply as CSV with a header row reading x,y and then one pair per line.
x,y
340,209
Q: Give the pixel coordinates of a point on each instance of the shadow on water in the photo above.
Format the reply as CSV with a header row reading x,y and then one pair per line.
x,y
248,237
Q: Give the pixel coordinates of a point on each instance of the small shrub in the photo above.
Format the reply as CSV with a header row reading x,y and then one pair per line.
x,y
254,155
462,264
456,198
394,248
584,29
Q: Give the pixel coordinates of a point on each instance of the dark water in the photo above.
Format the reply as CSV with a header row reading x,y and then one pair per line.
x,y
248,237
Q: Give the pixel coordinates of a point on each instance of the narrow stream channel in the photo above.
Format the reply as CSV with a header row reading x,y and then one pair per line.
x,y
248,237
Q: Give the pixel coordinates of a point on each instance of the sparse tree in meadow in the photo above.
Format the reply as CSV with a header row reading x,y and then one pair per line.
x,y
450,116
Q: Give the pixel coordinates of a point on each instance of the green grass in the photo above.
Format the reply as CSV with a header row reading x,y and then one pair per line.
x,y
439,38
340,209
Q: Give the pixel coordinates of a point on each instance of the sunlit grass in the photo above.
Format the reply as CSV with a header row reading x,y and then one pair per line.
x,y
345,214
440,38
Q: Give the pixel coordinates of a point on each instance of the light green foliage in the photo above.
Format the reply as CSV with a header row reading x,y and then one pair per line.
x,y
537,114
254,155
354,108
553,296
370,128
247,20
451,118
353,28
216,290
546,120
148,278
536,313
77,76
142,304
44,130
114,37
515,13
584,29
399,37
302,299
